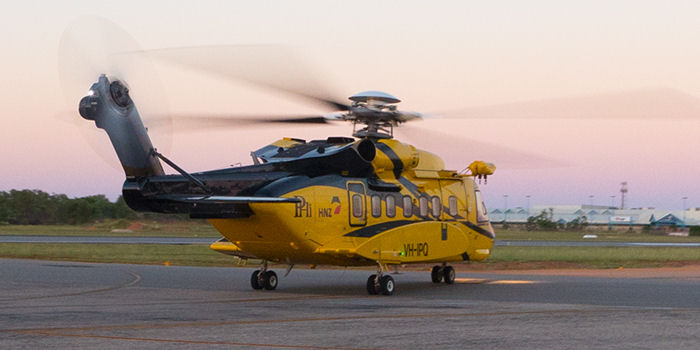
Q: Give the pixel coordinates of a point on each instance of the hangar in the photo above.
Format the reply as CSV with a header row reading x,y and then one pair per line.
x,y
597,216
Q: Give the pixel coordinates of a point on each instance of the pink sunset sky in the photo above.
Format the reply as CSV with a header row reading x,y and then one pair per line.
x,y
530,75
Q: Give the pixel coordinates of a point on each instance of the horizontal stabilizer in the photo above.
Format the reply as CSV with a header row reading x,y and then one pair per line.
x,y
228,199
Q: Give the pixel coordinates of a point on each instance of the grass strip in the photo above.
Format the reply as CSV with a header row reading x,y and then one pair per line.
x,y
597,257
201,228
201,255
148,229
603,236
153,254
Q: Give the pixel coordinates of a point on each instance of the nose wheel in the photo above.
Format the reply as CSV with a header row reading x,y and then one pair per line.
x,y
443,273
264,279
380,283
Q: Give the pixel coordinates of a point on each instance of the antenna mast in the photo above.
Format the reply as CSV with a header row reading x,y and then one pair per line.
x,y
623,191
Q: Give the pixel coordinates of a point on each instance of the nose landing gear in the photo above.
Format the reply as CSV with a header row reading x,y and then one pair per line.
x,y
380,283
263,278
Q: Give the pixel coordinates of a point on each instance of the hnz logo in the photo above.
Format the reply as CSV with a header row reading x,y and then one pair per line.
x,y
329,212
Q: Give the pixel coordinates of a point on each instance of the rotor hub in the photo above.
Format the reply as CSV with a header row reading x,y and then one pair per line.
x,y
120,93
376,110
373,96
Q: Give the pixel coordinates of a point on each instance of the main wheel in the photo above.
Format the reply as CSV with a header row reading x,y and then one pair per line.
x,y
371,287
270,280
449,274
436,274
387,285
255,280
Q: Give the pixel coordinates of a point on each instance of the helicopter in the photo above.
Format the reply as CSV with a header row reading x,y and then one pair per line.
x,y
365,200
369,200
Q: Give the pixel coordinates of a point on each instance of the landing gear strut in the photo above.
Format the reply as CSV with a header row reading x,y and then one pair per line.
x,y
263,278
380,283
443,273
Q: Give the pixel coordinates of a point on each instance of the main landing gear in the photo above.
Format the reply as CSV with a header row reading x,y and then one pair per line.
x,y
380,283
443,273
263,278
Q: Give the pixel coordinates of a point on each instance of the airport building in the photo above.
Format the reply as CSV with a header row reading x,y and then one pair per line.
x,y
601,217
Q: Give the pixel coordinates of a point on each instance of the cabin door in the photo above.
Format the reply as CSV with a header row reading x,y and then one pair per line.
x,y
357,203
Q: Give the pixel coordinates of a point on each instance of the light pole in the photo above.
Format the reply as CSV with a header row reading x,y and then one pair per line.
x,y
505,211
684,199
591,200
527,198
612,202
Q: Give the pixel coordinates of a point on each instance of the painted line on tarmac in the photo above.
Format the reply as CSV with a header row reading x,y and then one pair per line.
x,y
73,332
62,330
188,302
488,281
199,342
136,279
76,332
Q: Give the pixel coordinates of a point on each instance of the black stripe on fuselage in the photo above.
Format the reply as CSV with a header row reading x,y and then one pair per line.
x,y
410,186
373,230
478,229
293,183
398,164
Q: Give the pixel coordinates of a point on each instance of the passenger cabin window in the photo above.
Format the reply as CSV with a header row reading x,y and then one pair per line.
x,y
423,206
437,206
390,206
376,206
407,206
481,214
357,206
452,206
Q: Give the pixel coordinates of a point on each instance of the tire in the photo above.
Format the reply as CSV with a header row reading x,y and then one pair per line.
x,y
371,287
270,280
254,280
436,274
449,275
387,285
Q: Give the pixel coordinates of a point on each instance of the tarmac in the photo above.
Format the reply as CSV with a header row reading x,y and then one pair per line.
x,y
48,304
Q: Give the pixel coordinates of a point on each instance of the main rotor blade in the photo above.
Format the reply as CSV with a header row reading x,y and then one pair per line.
x,y
638,105
274,67
200,121
459,152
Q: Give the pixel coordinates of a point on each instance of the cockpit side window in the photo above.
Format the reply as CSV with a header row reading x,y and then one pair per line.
x,y
452,207
481,214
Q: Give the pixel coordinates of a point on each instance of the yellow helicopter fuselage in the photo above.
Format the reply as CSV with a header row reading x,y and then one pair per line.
x,y
413,212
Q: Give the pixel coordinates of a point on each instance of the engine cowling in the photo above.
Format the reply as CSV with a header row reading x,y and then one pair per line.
x,y
394,156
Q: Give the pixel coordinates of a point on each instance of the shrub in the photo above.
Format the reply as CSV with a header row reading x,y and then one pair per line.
x,y
694,231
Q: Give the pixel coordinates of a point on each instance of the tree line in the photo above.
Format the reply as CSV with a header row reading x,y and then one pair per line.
x,y
35,207
545,222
